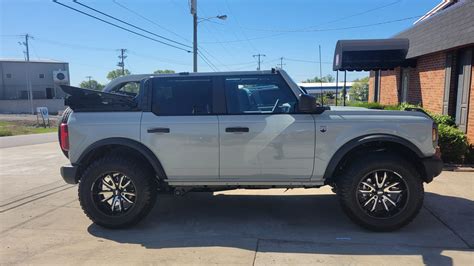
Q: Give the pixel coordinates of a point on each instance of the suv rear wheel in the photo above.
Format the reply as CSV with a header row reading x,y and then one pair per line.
x,y
381,192
117,192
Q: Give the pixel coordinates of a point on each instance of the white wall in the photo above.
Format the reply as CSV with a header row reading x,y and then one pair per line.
x,y
23,106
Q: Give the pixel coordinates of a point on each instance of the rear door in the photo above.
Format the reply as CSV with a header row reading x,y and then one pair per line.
x,y
181,128
261,136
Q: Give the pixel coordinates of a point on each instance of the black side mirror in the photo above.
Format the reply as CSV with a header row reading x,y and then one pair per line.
x,y
307,104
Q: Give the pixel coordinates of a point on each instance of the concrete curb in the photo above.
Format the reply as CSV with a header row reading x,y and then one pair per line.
x,y
459,167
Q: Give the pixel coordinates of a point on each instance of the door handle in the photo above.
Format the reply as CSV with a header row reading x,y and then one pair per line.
x,y
237,129
158,130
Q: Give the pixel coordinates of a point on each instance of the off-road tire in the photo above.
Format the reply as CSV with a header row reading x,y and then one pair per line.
x,y
347,187
144,183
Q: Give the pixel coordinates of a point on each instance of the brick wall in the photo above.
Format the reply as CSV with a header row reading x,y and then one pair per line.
x,y
389,84
371,86
470,117
427,82
426,85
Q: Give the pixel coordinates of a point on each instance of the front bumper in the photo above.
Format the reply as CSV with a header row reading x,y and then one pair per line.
x,y
433,167
69,174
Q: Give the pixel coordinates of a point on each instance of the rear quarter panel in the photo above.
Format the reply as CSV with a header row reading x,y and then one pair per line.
x,y
86,128
344,126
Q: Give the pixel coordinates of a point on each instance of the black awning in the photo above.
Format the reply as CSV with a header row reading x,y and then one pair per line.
x,y
365,55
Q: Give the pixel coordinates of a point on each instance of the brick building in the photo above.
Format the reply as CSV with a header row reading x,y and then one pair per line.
x,y
441,45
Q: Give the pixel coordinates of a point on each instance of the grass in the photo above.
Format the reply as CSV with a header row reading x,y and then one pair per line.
x,y
13,128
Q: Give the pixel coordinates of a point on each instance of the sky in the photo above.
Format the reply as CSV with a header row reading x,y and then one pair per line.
x,y
280,28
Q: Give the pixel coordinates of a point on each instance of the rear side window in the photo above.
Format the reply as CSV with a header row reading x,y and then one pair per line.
x,y
182,96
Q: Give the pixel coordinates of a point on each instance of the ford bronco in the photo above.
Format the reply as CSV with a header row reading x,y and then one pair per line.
x,y
220,131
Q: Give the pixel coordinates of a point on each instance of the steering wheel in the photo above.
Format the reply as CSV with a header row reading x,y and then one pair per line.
x,y
275,105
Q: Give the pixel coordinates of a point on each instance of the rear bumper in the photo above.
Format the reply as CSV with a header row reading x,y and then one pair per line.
x,y
433,167
69,174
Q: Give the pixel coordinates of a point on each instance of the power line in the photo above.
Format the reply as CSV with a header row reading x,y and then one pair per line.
x,y
75,46
120,27
240,27
307,61
130,24
328,22
168,30
322,30
165,60
149,20
208,63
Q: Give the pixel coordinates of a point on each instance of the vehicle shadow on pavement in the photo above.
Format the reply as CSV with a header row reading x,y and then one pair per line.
x,y
312,224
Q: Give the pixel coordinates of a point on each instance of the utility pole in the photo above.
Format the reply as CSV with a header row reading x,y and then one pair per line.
x,y
281,62
195,28
89,78
28,81
259,60
321,76
122,57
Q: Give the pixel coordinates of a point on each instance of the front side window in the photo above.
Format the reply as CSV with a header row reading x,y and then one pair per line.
x,y
182,96
259,95
131,88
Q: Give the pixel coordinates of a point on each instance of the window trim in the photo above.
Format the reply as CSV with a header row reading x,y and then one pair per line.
x,y
213,94
281,79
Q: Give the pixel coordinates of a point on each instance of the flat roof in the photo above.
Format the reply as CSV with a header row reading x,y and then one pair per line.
x,y
21,60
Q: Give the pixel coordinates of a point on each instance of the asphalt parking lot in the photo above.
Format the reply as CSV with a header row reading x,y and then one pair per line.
x,y
42,223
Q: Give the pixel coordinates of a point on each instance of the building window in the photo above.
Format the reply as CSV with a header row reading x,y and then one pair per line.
x,y
9,76
41,76
404,84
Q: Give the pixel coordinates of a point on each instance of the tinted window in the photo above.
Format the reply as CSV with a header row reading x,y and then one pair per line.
x,y
131,88
259,94
182,96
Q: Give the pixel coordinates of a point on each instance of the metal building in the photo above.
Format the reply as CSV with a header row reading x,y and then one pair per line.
x,y
45,77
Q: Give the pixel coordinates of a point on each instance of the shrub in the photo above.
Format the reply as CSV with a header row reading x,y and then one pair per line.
x,y
370,105
469,158
453,144
443,119
406,105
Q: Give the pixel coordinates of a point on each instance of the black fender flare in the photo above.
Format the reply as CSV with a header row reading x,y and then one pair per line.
x,y
129,143
356,142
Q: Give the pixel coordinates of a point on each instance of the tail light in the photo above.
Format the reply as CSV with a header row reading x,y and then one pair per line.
x,y
434,134
64,135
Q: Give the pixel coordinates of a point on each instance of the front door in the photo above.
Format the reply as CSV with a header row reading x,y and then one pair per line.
x,y
262,137
464,82
181,129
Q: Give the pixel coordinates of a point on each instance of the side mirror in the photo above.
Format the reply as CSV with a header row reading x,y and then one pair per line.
x,y
307,104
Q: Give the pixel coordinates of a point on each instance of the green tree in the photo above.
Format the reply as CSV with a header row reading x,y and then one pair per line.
x,y
164,71
92,84
360,90
327,78
117,73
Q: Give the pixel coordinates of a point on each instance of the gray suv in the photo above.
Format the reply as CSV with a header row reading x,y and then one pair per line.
x,y
219,131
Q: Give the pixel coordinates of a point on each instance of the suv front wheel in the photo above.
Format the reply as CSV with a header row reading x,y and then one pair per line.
x,y
381,192
117,192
